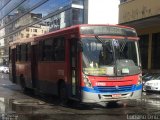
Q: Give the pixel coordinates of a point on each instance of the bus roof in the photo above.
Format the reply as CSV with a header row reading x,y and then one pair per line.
x,y
115,29
68,30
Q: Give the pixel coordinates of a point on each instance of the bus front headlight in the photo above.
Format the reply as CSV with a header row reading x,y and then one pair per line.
x,y
87,82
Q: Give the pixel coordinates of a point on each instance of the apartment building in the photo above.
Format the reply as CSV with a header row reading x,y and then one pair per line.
x,y
144,16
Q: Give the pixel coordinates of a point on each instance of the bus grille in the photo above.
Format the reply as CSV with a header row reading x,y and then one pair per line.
x,y
113,88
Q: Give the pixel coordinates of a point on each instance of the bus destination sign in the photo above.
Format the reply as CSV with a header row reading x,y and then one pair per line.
x,y
108,30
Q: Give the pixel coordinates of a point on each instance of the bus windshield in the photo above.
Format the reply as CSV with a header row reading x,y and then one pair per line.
x,y
103,56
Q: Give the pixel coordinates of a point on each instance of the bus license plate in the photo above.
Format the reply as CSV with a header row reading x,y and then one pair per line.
x,y
116,95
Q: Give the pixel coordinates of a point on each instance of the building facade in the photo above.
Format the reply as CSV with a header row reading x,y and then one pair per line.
x,y
144,16
21,19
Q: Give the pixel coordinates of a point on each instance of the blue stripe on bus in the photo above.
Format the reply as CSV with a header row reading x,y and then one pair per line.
x,y
108,89
139,87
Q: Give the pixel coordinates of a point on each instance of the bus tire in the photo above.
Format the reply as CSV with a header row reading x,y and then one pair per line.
x,y
63,92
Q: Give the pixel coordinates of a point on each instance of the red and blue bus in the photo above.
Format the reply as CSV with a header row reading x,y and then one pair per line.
x,y
88,63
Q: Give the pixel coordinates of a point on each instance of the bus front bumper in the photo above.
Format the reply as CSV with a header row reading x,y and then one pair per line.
x,y
91,97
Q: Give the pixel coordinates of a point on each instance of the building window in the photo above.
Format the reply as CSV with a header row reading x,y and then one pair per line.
x,y
144,44
77,2
34,30
22,35
122,1
27,36
77,16
27,29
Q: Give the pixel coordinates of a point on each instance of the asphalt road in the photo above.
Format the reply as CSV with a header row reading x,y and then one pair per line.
x,y
16,105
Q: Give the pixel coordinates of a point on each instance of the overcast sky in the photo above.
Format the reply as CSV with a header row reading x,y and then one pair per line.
x,y
103,11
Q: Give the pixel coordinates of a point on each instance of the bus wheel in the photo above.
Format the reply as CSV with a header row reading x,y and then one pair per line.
x,y
63,93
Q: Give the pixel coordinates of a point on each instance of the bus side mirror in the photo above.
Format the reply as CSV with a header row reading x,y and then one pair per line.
x,y
80,46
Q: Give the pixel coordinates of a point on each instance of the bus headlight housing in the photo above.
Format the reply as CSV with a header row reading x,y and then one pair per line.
x,y
139,79
87,82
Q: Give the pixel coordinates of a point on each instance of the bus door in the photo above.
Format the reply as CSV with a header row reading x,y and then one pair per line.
x,y
74,68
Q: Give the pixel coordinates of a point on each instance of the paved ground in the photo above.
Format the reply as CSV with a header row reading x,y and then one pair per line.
x,y
15,105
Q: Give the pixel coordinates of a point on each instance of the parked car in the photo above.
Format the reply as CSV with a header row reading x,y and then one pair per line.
x,y
4,69
146,77
151,82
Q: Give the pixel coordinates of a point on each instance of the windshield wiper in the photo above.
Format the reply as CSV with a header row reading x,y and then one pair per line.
x,y
106,45
99,39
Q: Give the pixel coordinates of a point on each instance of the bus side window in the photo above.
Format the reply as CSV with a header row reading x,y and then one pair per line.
x,y
10,54
59,49
23,52
48,49
18,52
40,51
28,57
